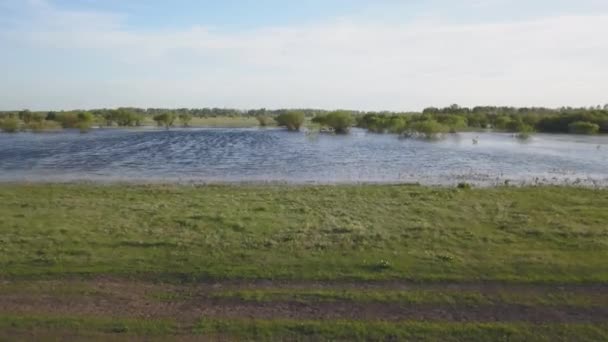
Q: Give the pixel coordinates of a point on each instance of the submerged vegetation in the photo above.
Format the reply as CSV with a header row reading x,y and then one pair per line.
x,y
339,121
583,127
430,122
292,120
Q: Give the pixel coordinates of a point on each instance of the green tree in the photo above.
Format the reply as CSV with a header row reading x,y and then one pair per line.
x,y
165,119
428,128
582,127
293,120
264,120
185,119
341,121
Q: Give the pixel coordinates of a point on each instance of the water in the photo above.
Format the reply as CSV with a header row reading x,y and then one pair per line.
x,y
273,155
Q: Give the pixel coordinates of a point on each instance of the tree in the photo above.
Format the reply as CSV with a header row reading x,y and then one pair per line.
x,y
582,127
340,121
165,119
293,120
428,128
264,120
185,119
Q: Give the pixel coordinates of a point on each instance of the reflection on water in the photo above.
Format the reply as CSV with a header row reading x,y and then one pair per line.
x,y
258,155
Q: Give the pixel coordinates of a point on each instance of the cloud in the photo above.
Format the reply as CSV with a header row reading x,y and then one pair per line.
x,y
346,63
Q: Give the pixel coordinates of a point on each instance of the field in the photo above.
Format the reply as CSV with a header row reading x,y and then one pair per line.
x,y
375,262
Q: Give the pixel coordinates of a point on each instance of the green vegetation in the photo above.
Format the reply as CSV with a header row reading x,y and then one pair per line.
x,y
185,119
523,121
399,331
582,127
9,124
264,120
312,262
165,120
292,120
340,121
68,327
428,128
537,234
417,296
49,324
44,126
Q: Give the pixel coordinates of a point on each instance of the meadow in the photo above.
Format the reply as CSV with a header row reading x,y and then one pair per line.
x,y
373,262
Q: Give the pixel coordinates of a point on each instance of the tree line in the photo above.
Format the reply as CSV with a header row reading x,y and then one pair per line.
x,y
430,121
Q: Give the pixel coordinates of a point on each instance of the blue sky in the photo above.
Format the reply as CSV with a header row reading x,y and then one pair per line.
x,y
383,54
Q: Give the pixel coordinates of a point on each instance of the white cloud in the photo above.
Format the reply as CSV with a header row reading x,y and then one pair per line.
x,y
547,61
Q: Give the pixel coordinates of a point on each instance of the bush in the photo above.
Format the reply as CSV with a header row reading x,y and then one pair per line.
x,y
455,123
264,120
67,119
428,128
185,119
293,120
123,117
340,121
43,126
9,125
165,119
583,127
463,186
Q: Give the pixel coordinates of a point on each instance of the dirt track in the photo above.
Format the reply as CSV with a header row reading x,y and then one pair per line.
x,y
134,299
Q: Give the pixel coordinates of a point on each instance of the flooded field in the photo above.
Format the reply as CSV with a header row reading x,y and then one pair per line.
x,y
273,155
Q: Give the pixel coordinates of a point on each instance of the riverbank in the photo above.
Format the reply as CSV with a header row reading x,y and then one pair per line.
x,y
341,262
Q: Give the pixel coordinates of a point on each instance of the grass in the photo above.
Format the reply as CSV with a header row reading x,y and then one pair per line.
x,y
455,297
62,233
372,232
41,327
383,331
220,121
87,324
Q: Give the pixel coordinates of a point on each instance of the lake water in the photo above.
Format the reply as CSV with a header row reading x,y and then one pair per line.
x,y
274,155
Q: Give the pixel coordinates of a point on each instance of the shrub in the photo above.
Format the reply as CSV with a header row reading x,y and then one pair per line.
x,y
293,120
264,120
428,128
9,125
67,119
340,121
185,119
43,126
123,117
464,186
165,119
583,127
454,122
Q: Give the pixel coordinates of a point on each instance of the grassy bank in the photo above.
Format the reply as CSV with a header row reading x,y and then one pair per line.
x,y
61,328
368,262
371,232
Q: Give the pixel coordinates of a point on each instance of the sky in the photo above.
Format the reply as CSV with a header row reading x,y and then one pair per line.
x,y
400,55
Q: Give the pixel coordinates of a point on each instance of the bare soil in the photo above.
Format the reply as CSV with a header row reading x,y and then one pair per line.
x,y
120,298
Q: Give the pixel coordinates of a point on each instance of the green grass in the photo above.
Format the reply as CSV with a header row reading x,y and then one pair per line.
x,y
220,121
455,297
401,331
88,324
42,327
373,232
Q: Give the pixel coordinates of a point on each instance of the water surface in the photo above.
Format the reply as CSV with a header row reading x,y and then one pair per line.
x,y
274,155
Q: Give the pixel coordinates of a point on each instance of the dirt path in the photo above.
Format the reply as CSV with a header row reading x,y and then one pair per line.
x,y
135,299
